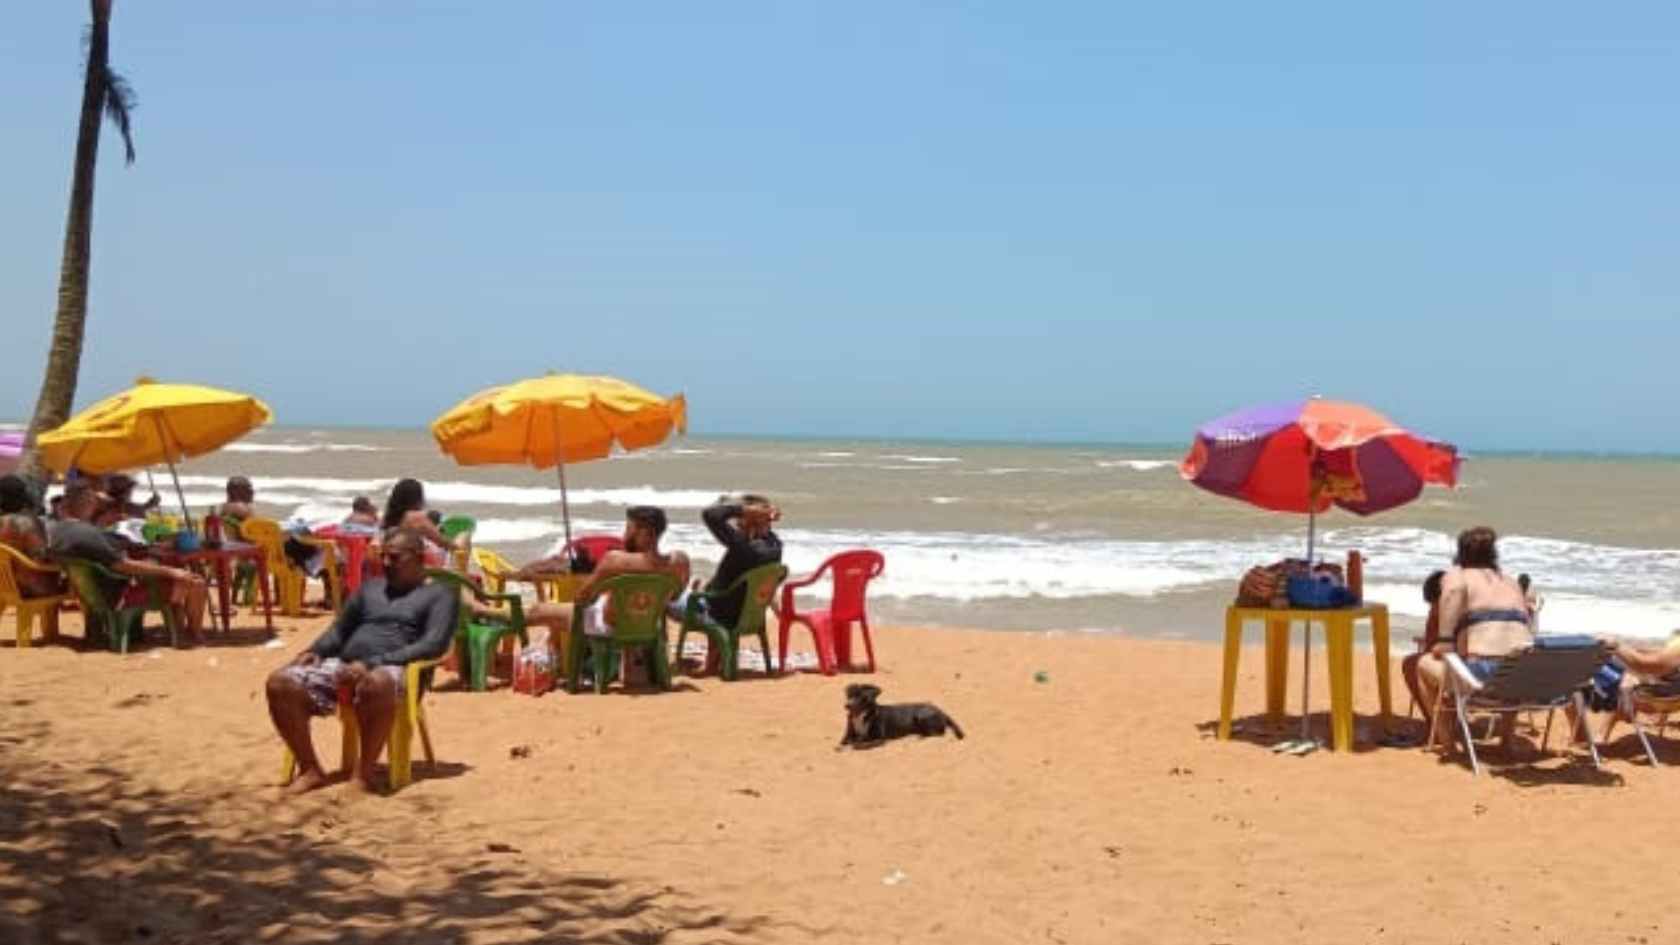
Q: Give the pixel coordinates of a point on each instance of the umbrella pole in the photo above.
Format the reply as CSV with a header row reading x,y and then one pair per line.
x,y
169,457
181,495
565,505
1306,625
560,470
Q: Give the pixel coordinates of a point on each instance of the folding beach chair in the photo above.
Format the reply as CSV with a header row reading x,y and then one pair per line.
x,y
1546,677
1660,698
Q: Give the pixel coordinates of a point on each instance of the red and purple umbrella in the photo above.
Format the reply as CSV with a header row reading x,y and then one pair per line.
x,y
1307,455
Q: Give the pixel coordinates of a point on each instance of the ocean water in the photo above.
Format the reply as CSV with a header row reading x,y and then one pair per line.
x,y
1098,538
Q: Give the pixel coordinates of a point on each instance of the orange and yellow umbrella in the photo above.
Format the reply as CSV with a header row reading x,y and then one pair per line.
x,y
151,423
557,419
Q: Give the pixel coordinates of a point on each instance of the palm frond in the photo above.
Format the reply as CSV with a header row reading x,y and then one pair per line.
x,y
119,101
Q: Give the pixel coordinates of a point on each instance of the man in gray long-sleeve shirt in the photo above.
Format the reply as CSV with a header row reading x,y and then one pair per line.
x,y
386,624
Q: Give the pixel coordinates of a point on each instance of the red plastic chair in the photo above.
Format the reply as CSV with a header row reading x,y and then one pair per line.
x,y
354,549
596,546
831,628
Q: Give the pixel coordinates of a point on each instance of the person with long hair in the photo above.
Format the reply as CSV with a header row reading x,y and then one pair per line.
x,y
405,507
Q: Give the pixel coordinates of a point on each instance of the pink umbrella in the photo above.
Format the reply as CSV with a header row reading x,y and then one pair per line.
x,y
11,450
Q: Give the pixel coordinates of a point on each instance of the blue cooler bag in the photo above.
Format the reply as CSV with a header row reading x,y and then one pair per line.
x,y
1318,592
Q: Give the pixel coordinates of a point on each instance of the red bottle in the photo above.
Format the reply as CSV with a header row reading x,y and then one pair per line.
x,y
1356,575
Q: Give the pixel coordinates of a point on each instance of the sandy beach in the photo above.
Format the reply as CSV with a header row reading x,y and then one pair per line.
x,y
140,804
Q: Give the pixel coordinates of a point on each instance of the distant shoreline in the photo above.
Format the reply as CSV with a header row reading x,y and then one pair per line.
x,y
1469,454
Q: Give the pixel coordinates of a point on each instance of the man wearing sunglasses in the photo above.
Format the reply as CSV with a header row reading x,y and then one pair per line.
x,y
387,623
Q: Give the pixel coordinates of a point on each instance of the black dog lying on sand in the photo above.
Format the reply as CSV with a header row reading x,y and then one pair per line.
x,y
869,723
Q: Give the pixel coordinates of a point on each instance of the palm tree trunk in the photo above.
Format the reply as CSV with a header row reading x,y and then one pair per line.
x,y
64,356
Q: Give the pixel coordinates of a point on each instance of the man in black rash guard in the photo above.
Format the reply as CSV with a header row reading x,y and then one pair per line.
x,y
743,528
387,623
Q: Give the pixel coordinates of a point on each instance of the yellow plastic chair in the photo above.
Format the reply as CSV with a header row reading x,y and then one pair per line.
x,y
29,609
411,718
498,571
289,581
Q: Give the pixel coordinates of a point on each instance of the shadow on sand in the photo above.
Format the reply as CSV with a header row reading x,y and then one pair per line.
x,y
88,855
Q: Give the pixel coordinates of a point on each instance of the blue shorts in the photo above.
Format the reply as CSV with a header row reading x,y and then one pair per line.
x,y
1483,667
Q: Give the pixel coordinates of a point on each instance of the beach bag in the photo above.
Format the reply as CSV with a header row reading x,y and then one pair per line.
x,y
533,670
1259,586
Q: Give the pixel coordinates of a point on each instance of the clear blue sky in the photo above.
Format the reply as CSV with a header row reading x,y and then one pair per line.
x,y
1069,221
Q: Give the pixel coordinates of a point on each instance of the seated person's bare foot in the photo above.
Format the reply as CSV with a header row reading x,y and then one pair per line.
x,y
307,781
369,782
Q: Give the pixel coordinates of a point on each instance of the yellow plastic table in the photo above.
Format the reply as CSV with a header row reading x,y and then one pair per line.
x,y
1338,629
562,589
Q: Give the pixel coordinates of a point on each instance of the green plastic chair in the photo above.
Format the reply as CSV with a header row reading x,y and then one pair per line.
x,y
761,583
118,623
453,527
476,638
636,616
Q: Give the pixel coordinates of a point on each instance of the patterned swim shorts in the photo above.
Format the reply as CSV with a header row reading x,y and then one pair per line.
x,y
321,682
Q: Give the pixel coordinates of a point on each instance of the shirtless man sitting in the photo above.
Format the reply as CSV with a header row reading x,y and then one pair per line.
x,y
644,525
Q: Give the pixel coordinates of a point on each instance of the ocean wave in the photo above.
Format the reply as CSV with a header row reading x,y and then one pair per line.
x,y
1588,587
445,494
1136,465
888,467
922,460
304,448
836,454
350,487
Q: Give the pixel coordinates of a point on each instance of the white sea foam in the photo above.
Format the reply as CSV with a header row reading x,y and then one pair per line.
x,y
455,493
1136,465
1620,592
264,484
836,454
944,500
278,490
303,448
924,460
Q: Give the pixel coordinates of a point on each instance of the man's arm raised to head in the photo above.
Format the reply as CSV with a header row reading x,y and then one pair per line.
x,y
720,518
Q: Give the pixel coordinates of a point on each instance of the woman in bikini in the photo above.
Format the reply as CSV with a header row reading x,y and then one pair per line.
x,y
1484,613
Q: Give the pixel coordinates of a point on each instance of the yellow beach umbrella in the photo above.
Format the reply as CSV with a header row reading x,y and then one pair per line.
x,y
152,423
557,419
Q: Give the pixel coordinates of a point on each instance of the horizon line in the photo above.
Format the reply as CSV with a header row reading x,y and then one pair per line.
x,y
983,440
